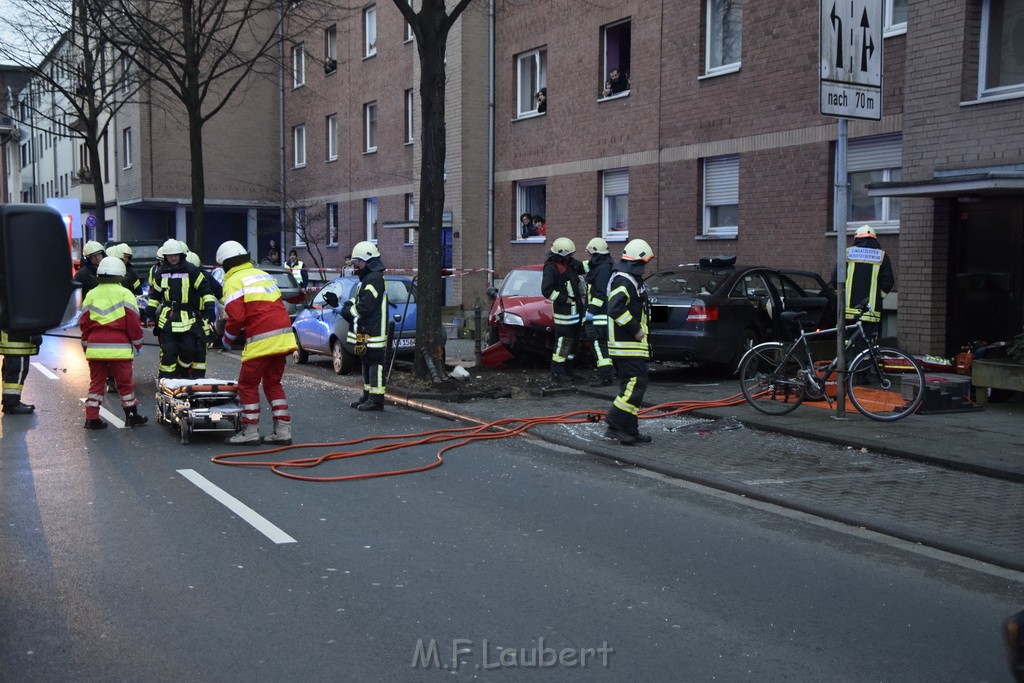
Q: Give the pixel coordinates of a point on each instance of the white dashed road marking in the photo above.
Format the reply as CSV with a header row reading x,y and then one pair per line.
x,y
258,522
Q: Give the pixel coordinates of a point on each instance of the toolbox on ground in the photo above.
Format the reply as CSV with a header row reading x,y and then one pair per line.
x,y
199,405
943,393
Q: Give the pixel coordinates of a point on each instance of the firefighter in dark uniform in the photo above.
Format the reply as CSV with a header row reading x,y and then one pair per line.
x,y
628,318
131,280
561,285
599,270
869,278
16,350
185,303
93,253
367,314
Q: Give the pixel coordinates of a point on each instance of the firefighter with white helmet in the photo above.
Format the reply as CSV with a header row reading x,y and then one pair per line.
x,y
561,285
252,302
186,303
598,271
112,337
367,315
131,278
869,279
629,313
93,253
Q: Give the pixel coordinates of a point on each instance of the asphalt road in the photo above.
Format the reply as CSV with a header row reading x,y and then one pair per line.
x,y
515,559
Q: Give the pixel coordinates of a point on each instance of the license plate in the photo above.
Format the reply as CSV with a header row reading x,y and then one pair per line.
x,y
215,417
406,343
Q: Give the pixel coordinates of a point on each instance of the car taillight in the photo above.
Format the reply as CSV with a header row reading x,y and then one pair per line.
x,y
701,313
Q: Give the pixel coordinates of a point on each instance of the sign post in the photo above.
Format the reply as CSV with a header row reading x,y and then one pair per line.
x,y
850,87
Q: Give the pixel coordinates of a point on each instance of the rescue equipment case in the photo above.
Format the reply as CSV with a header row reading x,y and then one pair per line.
x,y
199,405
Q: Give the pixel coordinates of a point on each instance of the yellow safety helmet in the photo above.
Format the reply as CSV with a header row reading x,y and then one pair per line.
x,y
365,251
173,246
92,247
865,231
637,250
563,246
597,246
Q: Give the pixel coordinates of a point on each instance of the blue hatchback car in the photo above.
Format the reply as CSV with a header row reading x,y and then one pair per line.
x,y
320,329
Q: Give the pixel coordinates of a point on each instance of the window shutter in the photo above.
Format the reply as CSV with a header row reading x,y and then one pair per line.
x,y
616,183
722,181
870,154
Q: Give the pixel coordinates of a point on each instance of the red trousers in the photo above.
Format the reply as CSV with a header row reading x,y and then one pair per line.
x,y
268,371
121,371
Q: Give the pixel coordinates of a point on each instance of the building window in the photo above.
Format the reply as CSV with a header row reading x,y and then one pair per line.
x,y
724,32
410,215
330,50
300,226
370,206
370,127
332,137
722,196
370,31
615,204
408,27
332,224
895,17
126,139
298,66
410,117
616,45
1002,54
531,76
872,160
531,202
299,143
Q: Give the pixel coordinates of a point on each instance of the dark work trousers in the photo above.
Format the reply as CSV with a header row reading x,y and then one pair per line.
x,y
177,352
598,335
562,353
632,386
373,374
15,369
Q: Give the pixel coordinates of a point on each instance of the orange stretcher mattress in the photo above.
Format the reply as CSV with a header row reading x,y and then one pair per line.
x,y
195,387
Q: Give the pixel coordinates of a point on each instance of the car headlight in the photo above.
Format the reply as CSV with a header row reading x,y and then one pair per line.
x,y
513,319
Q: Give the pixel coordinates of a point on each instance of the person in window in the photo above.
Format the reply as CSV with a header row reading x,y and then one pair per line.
x,y
540,228
617,83
542,100
526,226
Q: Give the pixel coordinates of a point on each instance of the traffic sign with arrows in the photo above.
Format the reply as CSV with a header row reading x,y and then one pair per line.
x,y
851,59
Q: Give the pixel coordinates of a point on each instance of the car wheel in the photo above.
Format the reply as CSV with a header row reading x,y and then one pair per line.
x,y
341,360
749,338
300,355
492,335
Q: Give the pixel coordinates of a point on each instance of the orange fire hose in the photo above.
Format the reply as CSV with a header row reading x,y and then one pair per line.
x,y
499,429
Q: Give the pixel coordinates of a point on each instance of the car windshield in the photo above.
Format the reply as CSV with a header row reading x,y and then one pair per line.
x,y
398,292
683,282
522,283
284,280
339,287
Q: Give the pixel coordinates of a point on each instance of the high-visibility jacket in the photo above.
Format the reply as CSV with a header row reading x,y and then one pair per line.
x,y
367,309
252,301
628,312
181,292
110,324
19,344
869,277
298,269
560,284
599,271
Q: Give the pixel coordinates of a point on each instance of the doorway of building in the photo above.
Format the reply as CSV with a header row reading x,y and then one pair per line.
x,y
987,270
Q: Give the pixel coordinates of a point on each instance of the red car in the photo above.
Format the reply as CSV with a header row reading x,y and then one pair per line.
x,y
520,316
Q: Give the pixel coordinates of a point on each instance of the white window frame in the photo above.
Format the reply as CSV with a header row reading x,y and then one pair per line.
x,y
410,117
300,226
721,187
332,224
408,27
370,127
881,155
410,215
126,143
606,68
891,28
531,76
523,206
370,206
332,137
299,66
714,44
369,31
614,184
299,145
1009,90
331,49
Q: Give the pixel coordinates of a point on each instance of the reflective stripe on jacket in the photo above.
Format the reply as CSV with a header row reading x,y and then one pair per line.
x,y
627,314
252,302
110,324
862,271
559,284
370,310
19,345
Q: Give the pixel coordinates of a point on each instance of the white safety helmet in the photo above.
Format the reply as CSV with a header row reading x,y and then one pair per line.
x,y
637,250
113,250
184,247
91,247
365,251
125,249
230,249
173,246
111,266
193,258
865,231
597,246
563,246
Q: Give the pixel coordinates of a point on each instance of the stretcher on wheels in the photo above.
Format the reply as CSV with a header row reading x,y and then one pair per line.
x,y
199,405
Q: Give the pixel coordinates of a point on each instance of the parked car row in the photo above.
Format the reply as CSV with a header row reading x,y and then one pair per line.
x,y
709,312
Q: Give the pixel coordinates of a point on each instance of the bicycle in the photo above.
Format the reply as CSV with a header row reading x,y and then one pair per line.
x,y
883,383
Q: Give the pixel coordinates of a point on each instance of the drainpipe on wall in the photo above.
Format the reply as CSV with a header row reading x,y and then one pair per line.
x,y
490,147
280,142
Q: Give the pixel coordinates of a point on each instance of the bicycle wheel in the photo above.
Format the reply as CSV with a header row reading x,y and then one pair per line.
x,y
885,384
771,382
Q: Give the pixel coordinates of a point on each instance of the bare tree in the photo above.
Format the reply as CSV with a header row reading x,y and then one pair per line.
x,y
431,26
72,75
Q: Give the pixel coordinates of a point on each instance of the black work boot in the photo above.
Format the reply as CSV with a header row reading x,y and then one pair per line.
x,y
132,417
95,424
603,379
559,374
18,408
360,401
374,403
